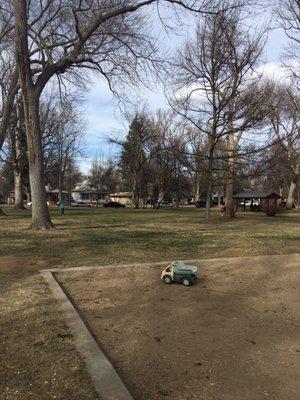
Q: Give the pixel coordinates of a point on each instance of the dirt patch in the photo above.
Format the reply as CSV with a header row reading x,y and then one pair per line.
x,y
234,335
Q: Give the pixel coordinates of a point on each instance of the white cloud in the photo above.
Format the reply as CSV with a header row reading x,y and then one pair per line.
x,y
273,71
84,165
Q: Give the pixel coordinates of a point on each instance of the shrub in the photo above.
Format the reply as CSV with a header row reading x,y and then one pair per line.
x,y
270,210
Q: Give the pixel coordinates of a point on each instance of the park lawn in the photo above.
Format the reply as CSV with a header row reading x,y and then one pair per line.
x,y
92,236
37,351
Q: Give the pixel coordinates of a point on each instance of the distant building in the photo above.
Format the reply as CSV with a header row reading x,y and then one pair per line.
x,y
254,200
85,193
122,198
53,195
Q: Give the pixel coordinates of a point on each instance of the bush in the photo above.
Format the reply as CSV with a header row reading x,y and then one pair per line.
x,y
270,210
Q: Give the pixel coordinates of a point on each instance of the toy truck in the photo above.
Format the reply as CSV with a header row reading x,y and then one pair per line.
x,y
179,272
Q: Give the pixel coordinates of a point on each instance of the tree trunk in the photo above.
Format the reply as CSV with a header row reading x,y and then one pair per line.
x,y
28,195
290,199
60,170
197,191
280,194
135,192
293,185
19,205
229,190
40,212
60,185
209,184
8,106
30,96
230,173
18,161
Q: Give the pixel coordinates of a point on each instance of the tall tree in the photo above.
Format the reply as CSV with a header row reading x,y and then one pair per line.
x,y
62,134
136,155
58,37
213,91
30,95
285,120
288,13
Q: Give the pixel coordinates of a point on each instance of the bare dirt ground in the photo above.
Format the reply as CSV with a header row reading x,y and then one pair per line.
x,y
234,335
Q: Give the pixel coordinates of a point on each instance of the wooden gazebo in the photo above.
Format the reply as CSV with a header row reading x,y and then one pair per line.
x,y
254,201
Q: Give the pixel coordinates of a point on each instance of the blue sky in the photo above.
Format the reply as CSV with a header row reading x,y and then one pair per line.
x,y
104,117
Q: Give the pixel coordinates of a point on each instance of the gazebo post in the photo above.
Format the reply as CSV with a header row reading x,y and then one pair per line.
x,y
244,204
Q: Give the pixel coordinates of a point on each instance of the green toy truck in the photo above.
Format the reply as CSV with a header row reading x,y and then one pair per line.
x,y
179,272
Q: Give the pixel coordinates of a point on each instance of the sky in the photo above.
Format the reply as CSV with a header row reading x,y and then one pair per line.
x,y
104,118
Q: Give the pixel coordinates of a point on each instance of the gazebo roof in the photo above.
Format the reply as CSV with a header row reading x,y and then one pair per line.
x,y
256,195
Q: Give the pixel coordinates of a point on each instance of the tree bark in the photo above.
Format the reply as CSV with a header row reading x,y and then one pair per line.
x,y
290,199
230,173
19,205
229,189
209,183
30,96
293,185
60,182
197,191
8,106
18,160
280,194
135,191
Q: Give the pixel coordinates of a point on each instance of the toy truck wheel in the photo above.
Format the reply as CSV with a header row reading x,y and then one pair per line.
x,y
186,281
167,279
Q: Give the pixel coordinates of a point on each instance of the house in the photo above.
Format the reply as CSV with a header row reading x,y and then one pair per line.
x,y
122,198
53,195
84,193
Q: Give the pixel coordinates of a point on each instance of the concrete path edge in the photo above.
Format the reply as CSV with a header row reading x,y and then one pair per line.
x,y
107,382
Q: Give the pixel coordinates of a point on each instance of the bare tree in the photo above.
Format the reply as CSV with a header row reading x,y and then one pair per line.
x,y
8,80
163,165
62,134
54,37
215,90
285,120
288,13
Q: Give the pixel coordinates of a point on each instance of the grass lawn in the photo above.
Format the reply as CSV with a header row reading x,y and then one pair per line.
x,y
38,360
85,236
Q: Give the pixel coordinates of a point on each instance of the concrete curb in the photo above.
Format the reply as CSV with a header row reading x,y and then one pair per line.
x,y
107,382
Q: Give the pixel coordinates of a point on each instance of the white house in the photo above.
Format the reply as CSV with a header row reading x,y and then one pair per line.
x,y
84,193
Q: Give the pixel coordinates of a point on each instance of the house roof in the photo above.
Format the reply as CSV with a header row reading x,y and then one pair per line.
x,y
121,194
84,190
256,195
53,191
85,187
